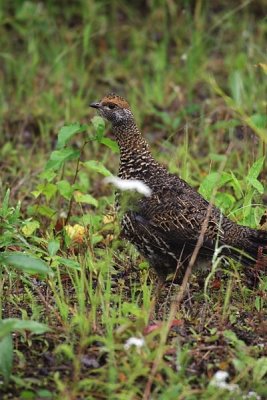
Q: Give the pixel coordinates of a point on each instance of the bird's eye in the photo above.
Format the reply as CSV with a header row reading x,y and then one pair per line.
x,y
111,106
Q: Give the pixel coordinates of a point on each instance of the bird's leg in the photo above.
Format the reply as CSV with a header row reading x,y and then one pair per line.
x,y
156,295
259,262
159,286
260,265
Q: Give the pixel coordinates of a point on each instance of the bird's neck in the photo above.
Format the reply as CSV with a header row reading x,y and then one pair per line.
x,y
135,156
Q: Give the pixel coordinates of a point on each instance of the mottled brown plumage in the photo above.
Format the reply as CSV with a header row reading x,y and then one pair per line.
x,y
165,227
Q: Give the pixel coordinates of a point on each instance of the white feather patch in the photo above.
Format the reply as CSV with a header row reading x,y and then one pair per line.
x,y
129,184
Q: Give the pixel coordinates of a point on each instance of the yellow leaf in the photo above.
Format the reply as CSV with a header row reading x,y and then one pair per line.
x,y
108,218
263,67
108,239
76,233
30,227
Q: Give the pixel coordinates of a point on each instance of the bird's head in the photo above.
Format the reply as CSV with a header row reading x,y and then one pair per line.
x,y
114,108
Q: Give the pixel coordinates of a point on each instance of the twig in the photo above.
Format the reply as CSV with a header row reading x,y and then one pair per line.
x,y
73,182
188,272
177,301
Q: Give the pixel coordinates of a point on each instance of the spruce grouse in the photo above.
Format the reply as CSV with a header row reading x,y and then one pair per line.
x,y
165,226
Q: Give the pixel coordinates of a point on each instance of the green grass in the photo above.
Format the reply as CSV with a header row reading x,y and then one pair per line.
x,y
193,76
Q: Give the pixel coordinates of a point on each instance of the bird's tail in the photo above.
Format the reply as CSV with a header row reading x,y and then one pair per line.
x,y
251,251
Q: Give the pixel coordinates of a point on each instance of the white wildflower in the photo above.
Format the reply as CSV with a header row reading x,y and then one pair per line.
x,y
219,380
252,395
129,184
134,341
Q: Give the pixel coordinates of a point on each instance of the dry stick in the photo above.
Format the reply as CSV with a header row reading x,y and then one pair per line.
x,y
72,198
177,301
73,182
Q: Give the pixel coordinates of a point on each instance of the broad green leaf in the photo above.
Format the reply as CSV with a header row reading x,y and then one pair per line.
x,y
97,166
44,210
225,201
36,193
111,144
25,262
259,120
239,364
255,169
69,263
30,227
247,201
28,395
236,186
49,175
86,220
44,394
84,182
22,325
211,181
65,189
224,178
208,184
47,189
67,132
53,247
10,325
6,326
260,369
85,198
6,356
96,239
256,184
99,125
58,157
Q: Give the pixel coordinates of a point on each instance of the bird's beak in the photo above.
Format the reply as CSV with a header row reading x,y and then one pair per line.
x,y
95,105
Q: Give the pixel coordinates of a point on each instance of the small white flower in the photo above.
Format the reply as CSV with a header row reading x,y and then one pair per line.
x,y
252,395
219,380
134,341
220,376
63,214
129,184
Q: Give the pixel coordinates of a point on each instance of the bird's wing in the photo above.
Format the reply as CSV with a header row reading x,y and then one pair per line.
x,y
179,215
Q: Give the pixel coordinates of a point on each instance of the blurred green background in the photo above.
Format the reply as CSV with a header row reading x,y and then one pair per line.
x,y
58,56
170,59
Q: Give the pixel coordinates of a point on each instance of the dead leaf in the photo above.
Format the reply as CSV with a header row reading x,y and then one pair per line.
x,y
108,218
76,233
263,67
